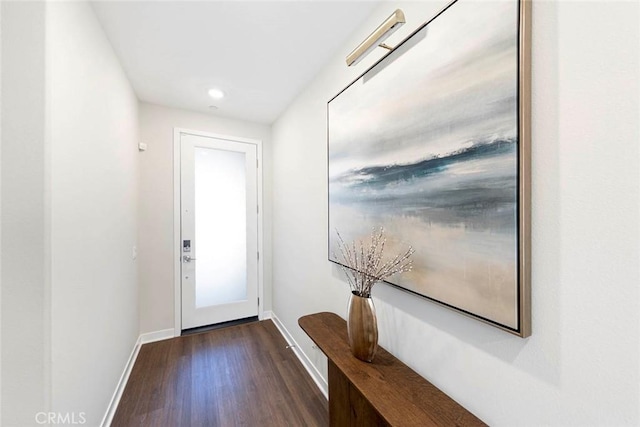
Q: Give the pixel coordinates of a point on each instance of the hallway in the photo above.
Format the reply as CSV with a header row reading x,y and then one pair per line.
x,y
236,376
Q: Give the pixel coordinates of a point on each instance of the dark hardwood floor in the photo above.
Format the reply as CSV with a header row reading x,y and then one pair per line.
x,y
237,376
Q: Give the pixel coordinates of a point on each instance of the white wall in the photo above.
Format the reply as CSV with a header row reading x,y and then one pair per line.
x,y
0,213
94,167
24,290
581,366
70,316
156,204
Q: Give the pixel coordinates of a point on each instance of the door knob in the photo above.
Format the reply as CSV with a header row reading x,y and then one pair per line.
x,y
187,258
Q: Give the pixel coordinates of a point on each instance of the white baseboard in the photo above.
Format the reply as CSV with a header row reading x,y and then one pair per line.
x,y
267,314
122,383
164,334
117,394
304,359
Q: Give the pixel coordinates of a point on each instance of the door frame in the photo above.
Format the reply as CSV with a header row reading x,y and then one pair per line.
x,y
177,247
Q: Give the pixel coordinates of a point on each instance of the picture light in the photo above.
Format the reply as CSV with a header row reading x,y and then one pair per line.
x,y
375,39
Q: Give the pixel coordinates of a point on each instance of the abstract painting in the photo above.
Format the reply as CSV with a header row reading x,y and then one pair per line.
x,y
431,143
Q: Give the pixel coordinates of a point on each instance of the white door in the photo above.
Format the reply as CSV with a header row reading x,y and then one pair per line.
x,y
219,230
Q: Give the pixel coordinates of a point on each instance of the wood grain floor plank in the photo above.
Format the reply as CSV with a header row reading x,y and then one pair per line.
x,y
237,376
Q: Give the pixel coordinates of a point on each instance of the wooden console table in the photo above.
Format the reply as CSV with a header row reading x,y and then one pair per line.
x,y
383,393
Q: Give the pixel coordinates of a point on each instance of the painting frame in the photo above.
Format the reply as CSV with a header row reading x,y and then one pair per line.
x,y
522,287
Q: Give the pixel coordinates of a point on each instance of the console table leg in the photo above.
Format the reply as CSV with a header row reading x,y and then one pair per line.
x,y
338,397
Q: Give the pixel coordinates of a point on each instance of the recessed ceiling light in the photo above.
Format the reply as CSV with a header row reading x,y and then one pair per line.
x,y
213,107
216,93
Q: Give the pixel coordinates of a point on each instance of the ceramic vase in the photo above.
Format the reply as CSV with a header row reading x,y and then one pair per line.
x,y
362,327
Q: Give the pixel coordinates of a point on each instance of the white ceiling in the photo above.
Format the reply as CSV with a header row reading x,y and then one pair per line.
x,y
261,54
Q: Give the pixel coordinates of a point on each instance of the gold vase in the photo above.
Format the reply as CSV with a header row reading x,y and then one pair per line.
x,y
362,326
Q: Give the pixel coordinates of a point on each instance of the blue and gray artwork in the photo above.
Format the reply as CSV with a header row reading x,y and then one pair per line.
x,y
426,145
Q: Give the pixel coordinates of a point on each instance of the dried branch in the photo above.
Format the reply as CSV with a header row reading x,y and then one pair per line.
x,y
363,266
